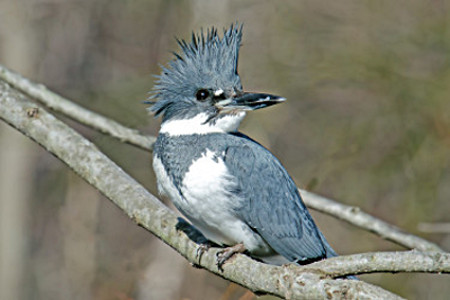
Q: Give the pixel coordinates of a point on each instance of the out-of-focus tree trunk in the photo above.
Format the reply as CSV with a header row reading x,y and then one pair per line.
x,y
16,164
79,216
162,278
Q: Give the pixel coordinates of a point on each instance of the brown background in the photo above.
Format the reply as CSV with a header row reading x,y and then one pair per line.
x,y
367,122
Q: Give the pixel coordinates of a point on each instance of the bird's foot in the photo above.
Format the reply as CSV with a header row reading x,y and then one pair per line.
x,y
227,253
202,248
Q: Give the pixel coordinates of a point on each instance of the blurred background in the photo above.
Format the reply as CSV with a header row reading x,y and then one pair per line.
x,y
367,122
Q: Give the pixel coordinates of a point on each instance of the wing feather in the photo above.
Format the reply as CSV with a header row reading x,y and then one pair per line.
x,y
273,206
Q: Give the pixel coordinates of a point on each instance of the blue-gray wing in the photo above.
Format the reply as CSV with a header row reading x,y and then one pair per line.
x,y
273,206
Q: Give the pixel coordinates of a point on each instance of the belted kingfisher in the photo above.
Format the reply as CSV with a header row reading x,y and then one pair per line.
x,y
232,189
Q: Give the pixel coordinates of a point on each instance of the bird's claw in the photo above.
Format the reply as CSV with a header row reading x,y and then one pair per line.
x,y
226,253
202,248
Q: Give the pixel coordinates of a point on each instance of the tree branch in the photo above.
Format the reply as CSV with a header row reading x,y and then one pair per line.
x,y
76,112
351,214
98,170
394,262
355,216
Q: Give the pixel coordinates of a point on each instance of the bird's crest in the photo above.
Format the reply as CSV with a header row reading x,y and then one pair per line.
x,y
207,61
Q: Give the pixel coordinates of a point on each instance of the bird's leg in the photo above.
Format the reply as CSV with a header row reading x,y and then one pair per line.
x,y
194,234
227,253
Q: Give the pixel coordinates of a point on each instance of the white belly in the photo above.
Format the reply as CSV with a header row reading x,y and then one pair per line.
x,y
207,201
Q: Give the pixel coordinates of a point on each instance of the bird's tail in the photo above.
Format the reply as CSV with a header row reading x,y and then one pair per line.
x,y
331,253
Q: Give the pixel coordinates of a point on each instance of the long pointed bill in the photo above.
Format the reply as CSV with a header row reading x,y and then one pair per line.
x,y
250,101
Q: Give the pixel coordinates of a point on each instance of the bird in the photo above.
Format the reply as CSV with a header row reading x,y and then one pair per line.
x,y
229,187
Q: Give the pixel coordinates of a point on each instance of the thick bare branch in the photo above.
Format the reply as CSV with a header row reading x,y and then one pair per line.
x,y
93,166
354,215
350,214
76,112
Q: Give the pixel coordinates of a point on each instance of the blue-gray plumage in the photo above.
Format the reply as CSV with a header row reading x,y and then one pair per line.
x,y
230,187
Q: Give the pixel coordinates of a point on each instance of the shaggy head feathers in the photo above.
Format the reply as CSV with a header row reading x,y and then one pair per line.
x,y
207,62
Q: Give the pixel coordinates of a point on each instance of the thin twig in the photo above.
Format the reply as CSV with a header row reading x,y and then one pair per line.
x,y
350,214
394,262
76,112
97,169
355,216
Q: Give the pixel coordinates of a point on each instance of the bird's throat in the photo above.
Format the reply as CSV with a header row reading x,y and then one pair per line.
x,y
202,124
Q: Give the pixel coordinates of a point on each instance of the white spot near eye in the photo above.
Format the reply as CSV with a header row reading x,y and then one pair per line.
x,y
218,92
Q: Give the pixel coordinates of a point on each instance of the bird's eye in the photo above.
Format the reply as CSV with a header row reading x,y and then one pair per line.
x,y
202,94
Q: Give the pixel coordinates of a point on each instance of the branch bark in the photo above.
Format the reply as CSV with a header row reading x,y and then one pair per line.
x,y
76,112
351,214
291,282
355,216
377,262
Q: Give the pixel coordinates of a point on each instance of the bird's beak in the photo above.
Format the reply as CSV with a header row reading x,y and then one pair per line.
x,y
249,101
